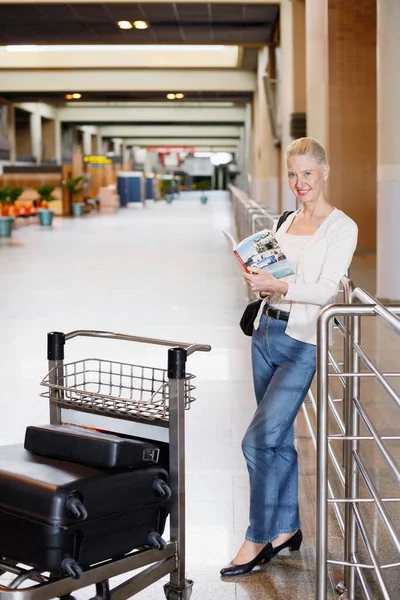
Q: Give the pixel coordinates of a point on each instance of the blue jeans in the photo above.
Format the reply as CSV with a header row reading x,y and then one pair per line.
x,y
283,369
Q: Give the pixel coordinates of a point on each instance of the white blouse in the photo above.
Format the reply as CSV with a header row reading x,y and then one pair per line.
x,y
321,263
291,245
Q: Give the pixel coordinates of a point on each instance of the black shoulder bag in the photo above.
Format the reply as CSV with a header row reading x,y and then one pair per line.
x,y
251,310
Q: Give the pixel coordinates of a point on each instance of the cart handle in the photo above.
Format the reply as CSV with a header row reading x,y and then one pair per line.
x,y
189,347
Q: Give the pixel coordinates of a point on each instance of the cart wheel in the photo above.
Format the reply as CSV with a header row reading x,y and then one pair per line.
x,y
71,568
162,489
155,540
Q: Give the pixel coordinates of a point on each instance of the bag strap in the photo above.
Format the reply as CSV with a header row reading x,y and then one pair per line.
x,y
283,218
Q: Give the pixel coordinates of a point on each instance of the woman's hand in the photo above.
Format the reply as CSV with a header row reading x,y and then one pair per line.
x,y
260,280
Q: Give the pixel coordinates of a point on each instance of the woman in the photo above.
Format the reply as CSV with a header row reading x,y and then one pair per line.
x,y
319,241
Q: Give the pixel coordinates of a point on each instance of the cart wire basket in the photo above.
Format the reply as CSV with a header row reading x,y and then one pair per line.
x,y
114,388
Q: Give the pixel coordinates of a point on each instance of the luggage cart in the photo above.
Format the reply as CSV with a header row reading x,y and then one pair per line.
x,y
142,401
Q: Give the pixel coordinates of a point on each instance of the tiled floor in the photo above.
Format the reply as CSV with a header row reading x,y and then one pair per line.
x,y
161,271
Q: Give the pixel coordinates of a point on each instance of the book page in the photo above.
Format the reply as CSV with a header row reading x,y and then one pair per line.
x,y
230,239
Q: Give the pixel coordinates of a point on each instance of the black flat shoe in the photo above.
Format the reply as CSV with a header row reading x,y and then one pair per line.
x,y
264,556
293,543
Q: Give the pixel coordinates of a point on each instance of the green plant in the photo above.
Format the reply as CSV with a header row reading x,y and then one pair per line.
x,y
9,195
4,195
73,186
165,187
45,192
15,193
203,185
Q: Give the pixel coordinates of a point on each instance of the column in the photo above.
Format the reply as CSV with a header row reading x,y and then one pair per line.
x,y
36,134
352,113
57,141
240,157
117,146
264,184
388,248
288,200
317,69
11,133
87,142
248,144
292,91
99,143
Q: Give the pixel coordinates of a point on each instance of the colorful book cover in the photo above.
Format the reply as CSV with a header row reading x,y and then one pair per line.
x,y
261,250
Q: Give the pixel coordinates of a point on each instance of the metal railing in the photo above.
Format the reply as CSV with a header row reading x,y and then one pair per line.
x,y
356,432
345,365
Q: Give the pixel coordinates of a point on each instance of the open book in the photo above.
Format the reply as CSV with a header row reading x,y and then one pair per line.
x,y
261,250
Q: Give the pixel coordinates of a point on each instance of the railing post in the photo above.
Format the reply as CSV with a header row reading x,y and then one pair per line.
x,y
179,586
322,454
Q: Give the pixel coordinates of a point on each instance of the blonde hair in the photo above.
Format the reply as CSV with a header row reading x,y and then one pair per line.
x,y
307,146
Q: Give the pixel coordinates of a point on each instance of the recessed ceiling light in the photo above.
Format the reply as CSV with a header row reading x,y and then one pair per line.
x,y
179,96
124,24
140,24
76,96
171,96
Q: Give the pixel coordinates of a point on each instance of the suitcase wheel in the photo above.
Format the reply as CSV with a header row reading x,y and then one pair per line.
x,y
75,507
155,540
161,488
71,568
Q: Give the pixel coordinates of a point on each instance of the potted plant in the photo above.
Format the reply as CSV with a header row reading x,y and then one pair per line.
x,y
46,196
6,221
203,186
74,189
165,186
8,196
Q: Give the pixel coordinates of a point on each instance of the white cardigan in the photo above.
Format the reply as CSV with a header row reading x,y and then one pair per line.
x,y
324,260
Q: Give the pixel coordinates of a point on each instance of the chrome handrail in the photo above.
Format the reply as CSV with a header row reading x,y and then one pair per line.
x,y
359,303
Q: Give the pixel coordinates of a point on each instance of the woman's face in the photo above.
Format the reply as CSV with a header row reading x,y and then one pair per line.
x,y
306,177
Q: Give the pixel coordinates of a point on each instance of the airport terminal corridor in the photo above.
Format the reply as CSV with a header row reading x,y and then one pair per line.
x,y
161,271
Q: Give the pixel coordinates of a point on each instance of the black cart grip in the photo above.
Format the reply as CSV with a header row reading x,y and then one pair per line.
x,y
55,345
176,363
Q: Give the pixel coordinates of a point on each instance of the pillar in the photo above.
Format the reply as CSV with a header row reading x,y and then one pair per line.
x,y
117,146
36,134
352,114
11,133
388,247
99,144
264,184
317,69
57,141
288,200
87,142
247,163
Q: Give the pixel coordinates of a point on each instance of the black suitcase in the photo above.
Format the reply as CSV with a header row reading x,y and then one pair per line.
x,y
95,448
55,515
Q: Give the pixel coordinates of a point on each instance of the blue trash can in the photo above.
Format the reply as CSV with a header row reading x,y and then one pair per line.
x,y
130,185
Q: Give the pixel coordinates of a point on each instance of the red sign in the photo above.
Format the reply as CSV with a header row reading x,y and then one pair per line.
x,y
168,149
